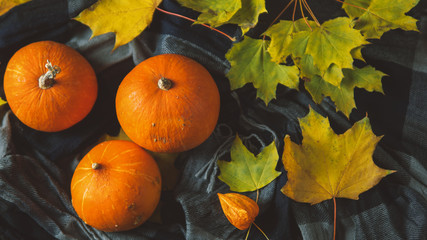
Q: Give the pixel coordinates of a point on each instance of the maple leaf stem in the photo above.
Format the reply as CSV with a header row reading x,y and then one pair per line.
x,y
352,5
307,7
303,16
257,195
295,9
335,216
278,16
263,233
247,234
192,20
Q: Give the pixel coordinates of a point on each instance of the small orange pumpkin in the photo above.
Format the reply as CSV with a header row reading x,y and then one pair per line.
x,y
168,103
239,209
116,186
49,86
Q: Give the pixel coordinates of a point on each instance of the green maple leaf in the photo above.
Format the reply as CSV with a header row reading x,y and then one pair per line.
x,y
251,63
244,13
213,12
247,16
381,16
306,67
330,46
281,35
356,53
355,12
343,96
332,75
246,172
332,43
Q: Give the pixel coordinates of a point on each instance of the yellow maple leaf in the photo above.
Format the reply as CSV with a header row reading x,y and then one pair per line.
x,y
126,18
6,5
327,165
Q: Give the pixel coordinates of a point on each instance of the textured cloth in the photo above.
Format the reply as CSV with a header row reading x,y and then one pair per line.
x,y
36,168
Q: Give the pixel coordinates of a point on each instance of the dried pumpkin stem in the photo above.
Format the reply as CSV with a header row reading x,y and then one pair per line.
x,y
96,166
164,83
47,80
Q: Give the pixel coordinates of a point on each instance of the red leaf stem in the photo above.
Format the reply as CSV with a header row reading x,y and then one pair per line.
x,y
192,20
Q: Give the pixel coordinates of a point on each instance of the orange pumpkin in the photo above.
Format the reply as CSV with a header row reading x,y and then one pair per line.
x,y
49,86
116,186
239,209
168,103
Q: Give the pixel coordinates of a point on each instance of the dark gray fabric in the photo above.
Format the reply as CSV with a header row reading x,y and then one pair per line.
x,y
36,168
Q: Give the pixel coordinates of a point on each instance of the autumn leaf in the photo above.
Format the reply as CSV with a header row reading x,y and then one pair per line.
x,y
333,75
6,5
325,49
355,8
332,43
213,12
247,172
251,63
380,16
343,96
327,165
244,13
2,102
356,53
247,16
126,18
281,35
239,209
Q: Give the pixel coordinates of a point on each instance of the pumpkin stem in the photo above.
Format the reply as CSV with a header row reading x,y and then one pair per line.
x,y
164,83
96,166
47,80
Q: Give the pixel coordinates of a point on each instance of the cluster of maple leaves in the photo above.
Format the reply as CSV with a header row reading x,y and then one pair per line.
x,y
323,54
325,165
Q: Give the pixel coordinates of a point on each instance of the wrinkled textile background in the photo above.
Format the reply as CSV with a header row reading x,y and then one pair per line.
x,y
36,168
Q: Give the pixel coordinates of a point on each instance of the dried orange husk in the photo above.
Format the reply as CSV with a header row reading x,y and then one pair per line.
x,y
239,209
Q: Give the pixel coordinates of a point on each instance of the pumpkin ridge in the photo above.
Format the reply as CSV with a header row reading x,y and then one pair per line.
x,y
146,177
104,151
55,105
84,198
80,180
131,164
121,153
